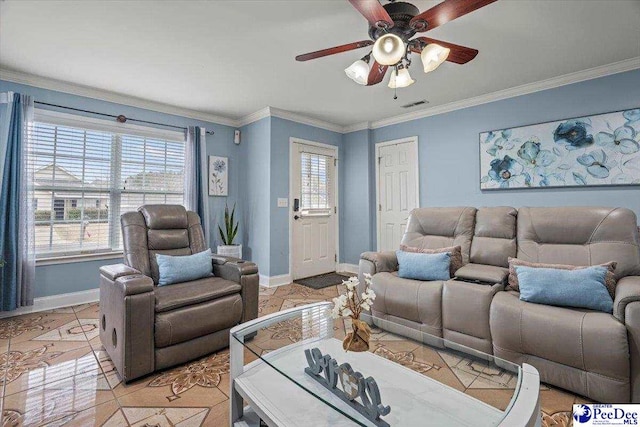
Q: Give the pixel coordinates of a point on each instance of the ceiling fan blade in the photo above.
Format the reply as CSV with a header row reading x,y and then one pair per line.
x,y
459,54
376,73
334,50
444,12
374,12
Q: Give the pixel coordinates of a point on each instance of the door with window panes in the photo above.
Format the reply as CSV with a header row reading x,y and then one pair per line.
x,y
314,210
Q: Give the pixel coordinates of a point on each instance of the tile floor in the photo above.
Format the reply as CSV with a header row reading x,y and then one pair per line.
x,y
54,371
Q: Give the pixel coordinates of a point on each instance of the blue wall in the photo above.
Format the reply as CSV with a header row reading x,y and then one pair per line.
x,y
281,131
356,215
80,276
255,190
448,156
448,146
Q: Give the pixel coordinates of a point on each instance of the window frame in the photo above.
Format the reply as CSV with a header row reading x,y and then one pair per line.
x,y
115,193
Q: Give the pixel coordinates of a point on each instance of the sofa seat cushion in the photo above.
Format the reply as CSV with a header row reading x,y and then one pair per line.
x,y
193,292
580,338
194,321
414,300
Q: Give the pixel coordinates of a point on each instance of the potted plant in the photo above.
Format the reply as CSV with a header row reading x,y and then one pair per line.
x,y
228,248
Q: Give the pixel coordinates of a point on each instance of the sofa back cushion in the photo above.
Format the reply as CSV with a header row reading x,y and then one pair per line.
x,y
159,229
581,236
494,237
434,228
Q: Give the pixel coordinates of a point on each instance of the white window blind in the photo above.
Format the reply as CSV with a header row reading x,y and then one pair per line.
x,y
85,176
316,183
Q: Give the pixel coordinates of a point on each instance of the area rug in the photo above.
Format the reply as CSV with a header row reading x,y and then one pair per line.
x,y
323,280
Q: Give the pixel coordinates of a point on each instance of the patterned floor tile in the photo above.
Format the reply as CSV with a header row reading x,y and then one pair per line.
x,y
57,372
87,311
161,417
75,330
31,370
58,400
36,357
96,416
29,326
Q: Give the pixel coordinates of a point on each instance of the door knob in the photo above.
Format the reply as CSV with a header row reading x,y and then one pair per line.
x,y
296,217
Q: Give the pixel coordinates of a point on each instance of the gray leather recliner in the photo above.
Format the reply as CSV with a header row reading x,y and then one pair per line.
x,y
144,327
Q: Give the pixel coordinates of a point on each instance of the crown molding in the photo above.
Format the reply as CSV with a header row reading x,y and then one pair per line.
x,y
356,127
105,95
86,91
566,79
289,115
305,120
255,116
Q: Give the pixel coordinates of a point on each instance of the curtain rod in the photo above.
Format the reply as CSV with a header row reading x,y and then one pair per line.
x,y
121,118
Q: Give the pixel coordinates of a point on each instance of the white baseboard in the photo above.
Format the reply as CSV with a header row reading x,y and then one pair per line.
x,y
348,268
274,281
55,301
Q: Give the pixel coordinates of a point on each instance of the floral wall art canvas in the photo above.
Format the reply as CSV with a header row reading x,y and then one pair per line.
x,y
218,176
588,151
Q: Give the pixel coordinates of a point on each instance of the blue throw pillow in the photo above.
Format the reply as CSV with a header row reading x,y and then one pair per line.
x,y
420,266
178,269
583,288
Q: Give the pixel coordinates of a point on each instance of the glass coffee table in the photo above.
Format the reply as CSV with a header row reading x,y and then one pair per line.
x,y
289,369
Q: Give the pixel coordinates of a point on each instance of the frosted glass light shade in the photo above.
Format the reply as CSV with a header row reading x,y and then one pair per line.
x,y
403,79
433,55
388,49
358,72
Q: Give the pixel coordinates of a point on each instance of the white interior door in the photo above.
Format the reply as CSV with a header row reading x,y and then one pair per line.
x,y
397,189
314,212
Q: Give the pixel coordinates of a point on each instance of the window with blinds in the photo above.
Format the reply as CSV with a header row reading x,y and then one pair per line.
x,y
85,176
316,183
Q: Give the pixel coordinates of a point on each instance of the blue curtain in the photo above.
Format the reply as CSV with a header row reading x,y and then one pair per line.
x,y
196,179
199,207
16,232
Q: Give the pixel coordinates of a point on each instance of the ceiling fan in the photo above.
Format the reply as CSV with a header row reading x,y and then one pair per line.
x,y
390,28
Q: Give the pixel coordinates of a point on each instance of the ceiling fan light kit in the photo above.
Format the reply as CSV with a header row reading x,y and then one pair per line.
x,y
389,49
400,78
391,27
359,71
433,55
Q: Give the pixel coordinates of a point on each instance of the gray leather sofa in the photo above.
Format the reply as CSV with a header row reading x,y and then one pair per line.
x,y
145,327
591,353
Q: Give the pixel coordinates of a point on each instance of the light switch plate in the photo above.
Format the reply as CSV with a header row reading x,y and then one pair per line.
x,y
283,202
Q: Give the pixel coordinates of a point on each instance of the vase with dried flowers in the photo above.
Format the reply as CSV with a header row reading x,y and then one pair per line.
x,y
350,304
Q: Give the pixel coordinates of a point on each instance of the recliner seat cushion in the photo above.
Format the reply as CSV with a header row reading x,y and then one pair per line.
x,y
414,300
193,292
583,339
193,321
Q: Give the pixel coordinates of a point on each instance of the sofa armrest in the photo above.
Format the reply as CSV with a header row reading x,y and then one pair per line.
x,y
627,291
246,274
232,268
129,281
375,262
127,304
382,261
113,271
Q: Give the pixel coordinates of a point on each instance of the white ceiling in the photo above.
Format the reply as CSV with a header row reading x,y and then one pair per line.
x,y
234,58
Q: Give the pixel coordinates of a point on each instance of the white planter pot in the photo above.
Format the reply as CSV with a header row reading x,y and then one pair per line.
x,y
230,250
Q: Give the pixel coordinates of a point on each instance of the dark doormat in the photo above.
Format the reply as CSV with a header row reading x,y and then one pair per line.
x,y
323,280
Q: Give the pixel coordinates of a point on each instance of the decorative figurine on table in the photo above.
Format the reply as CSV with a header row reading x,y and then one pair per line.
x,y
352,305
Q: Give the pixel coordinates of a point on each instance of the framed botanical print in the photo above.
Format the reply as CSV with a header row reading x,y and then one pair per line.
x,y
218,176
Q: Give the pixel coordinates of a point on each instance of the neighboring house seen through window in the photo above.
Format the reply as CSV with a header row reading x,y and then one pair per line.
x,y
87,172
